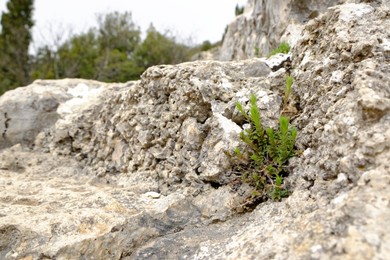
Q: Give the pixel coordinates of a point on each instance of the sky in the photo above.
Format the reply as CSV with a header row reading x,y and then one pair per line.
x,y
193,20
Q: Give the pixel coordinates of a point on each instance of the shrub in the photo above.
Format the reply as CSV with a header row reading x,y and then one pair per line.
x,y
267,151
239,10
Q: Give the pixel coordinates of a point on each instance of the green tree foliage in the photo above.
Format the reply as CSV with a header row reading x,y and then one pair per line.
x,y
118,31
239,10
112,51
76,57
45,66
103,53
117,37
73,59
158,49
15,39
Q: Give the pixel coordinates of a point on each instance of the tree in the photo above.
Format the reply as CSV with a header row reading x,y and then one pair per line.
x,y
118,37
239,10
77,56
110,52
45,64
15,39
158,49
103,53
120,67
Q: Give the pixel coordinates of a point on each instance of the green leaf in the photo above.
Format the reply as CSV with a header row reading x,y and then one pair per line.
x,y
282,48
293,137
278,180
272,148
283,149
258,159
271,170
254,113
256,119
287,91
242,111
268,150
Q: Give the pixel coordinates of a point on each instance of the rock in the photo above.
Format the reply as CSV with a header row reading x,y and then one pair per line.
x,y
27,111
51,207
141,152
264,24
172,124
344,92
206,55
137,170
278,61
153,195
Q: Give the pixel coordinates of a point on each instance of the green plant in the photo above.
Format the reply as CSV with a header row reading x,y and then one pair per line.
x,y
16,25
283,47
239,10
287,91
257,52
268,150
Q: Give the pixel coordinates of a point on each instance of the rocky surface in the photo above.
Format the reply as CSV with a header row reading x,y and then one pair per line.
x,y
140,155
170,127
39,103
264,24
137,170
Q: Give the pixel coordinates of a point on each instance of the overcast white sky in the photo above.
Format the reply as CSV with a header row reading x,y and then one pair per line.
x,y
199,20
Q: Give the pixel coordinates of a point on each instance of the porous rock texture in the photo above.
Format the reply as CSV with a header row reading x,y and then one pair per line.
x,y
137,170
39,103
264,24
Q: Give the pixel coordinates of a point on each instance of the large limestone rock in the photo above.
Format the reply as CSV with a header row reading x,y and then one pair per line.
x,y
340,206
137,170
264,24
26,111
172,126
145,157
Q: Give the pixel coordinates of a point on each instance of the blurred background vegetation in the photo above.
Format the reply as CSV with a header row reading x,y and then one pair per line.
x,y
113,51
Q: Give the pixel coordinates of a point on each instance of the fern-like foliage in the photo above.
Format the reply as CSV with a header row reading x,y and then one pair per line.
x,y
287,140
287,91
268,151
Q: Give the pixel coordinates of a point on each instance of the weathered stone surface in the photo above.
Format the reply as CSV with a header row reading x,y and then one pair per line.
x,y
264,24
172,126
340,206
138,172
51,207
140,155
25,112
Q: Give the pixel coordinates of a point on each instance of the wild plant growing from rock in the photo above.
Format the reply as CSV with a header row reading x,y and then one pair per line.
x,y
282,48
267,151
287,91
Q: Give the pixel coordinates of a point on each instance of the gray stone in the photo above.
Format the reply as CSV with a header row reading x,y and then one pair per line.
x,y
27,111
174,123
264,24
